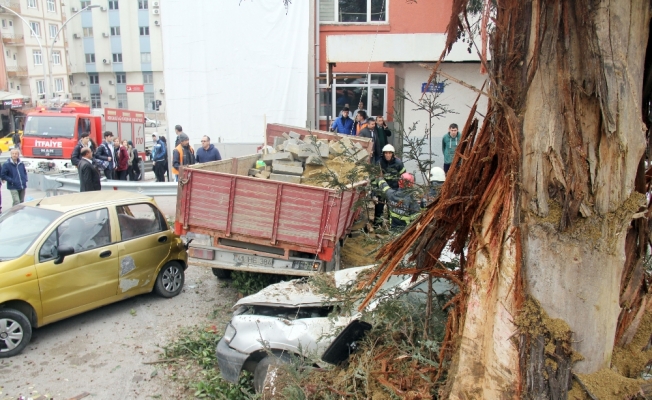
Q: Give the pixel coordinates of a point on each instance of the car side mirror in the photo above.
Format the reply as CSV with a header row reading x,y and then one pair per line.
x,y
63,252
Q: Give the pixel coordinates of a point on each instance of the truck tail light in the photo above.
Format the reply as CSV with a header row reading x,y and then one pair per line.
x,y
204,254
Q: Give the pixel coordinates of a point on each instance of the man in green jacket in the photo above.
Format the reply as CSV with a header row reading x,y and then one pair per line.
x,y
448,146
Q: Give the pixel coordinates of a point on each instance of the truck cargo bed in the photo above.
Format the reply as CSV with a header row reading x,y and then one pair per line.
x,y
219,199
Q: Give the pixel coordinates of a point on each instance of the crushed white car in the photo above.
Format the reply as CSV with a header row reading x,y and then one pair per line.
x,y
291,318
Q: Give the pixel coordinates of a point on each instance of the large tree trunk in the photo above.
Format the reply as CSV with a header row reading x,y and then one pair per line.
x,y
576,86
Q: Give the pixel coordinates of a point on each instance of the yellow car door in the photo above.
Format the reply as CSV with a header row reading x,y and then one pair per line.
x,y
86,279
145,246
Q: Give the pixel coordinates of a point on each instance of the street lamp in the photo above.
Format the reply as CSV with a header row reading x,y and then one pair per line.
x,y
37,40
54,40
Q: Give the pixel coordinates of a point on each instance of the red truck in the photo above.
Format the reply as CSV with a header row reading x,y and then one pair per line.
x,y
51,134
238,222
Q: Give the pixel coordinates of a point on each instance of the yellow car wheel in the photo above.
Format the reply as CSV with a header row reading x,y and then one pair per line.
x,y
169,282
15,332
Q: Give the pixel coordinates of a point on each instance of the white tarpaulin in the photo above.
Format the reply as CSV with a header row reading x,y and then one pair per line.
x,y
231,64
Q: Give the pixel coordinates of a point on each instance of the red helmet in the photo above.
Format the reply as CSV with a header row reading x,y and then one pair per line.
x,y
407,180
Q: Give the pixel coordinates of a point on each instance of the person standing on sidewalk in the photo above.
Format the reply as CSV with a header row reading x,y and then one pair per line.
x,y
449,145
89,177
159,158
106,154
178,130
207,152
182,155
15,174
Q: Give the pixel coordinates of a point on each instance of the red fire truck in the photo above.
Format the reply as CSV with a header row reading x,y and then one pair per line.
x,y
51,134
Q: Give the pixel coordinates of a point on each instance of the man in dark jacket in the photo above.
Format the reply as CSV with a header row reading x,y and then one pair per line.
x,y
84,142
370,131
106,154
89,178
182,155
383,131
178,130
207,152
15,174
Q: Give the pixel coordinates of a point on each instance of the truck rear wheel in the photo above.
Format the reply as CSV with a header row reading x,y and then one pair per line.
x,y
222,273
335,263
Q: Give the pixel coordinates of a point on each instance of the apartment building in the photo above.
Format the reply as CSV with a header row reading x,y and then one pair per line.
x,y
115,54
27,44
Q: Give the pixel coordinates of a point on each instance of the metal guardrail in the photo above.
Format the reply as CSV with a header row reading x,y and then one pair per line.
x,y
56,184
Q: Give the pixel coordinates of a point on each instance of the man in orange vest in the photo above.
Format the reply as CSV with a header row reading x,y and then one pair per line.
x,y
182,155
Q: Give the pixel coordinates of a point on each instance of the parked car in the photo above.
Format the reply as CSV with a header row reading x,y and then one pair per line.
x,y
64,255
292,318
152,122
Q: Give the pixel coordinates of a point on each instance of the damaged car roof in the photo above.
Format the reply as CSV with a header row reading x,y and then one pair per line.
x,y
298,292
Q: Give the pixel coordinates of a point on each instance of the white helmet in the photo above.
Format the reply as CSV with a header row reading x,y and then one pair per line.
x,y
389,147
437,175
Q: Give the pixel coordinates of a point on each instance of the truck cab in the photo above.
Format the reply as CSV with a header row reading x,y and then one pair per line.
x,y
50,135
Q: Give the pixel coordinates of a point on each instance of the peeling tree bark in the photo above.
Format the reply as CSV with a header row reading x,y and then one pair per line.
x,y
543,194
577,88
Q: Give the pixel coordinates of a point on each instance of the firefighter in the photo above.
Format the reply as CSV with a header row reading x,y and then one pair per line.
x,y
437,178
391,168
402,204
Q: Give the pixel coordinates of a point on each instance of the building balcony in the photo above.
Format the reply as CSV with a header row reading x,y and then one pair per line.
x,y
12,4
16,71
13,39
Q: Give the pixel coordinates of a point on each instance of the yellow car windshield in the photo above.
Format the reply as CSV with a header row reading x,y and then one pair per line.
x,y
20,226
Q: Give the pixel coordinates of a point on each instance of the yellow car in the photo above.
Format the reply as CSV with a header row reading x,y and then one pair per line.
x,y
7,142
64,255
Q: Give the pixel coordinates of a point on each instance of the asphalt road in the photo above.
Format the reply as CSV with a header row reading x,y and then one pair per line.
x,y
105,352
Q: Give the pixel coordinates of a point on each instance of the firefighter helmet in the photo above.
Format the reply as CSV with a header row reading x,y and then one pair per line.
x,y
437,175
407,180
389,148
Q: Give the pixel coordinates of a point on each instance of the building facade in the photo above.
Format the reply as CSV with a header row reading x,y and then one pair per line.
x,y
380,52
115,55
27,46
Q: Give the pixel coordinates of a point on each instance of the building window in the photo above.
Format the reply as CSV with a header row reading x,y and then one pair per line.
x,y
370,89
121,78
11,85
53,31
352,11
76,96
113,4
145,57
93,79
144,31
58,85
36,29
115,31
88,32
85,4
4,23
149,101
90,58
117,57
11,23
40,87
31,3
148,77
142,5
51,6
38,58
56,57
96,101
122,100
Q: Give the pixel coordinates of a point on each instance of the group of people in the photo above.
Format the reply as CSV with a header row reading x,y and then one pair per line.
x,y
393,186
115,159
183,154
121,161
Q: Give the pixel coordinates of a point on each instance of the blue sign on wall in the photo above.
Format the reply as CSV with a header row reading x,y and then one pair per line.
x,y
434,87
